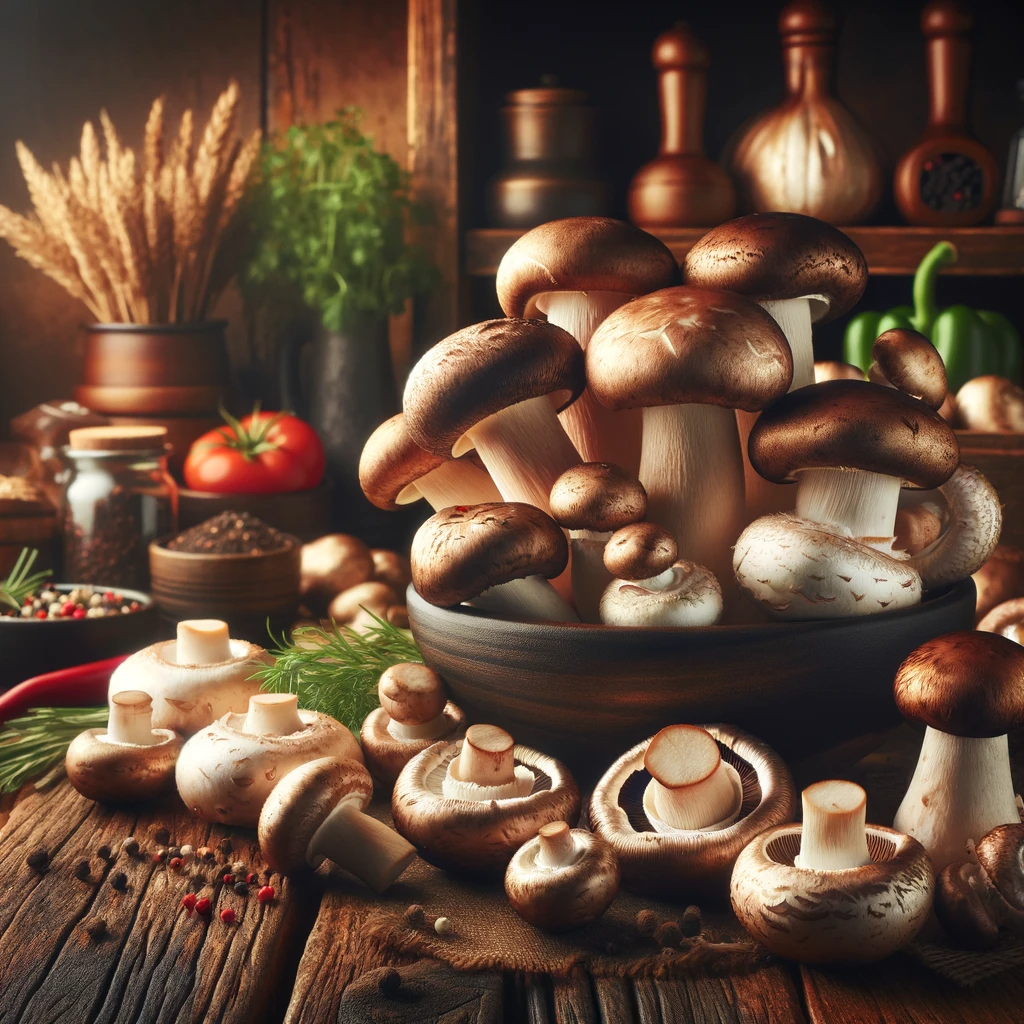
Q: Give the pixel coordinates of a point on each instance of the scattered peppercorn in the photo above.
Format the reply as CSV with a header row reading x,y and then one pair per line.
x,y
266,894
173,851
669,934
82,871
252,878
646,923
227,915
187,853
228,878
175,863
241,888
130,846
160,856
390,982
229,533
443,926
38,860
119,880
415,916
97,928
238,868
203,905
103,852
692,922
205,853
188,901
162,837
224,846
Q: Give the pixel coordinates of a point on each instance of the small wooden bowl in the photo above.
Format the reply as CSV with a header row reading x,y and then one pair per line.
x,y
30,647
304,514
244,590
586,693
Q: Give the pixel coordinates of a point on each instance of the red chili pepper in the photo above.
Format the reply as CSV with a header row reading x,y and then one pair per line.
x,y
80,686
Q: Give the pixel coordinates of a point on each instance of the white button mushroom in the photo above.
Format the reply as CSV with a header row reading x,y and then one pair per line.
x,y
685,594
991,404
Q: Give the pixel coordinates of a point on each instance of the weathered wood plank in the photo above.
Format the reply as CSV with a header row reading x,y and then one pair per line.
x,y
155,962
614,1002
574,1001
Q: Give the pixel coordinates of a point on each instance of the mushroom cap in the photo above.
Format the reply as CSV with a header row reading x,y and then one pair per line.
x,y
391,461
483,369
411,693
910,363
999,579
830,369
478,837
373,595
854,425
693,598
964,684
333,563
597,496
681,863
991,404
461,551
582,254
768,256
299,804
387,755
1005,619
188,697
639,551
560,898
689,345
1000,853
967,905
392,568
225,774
857,915
121,772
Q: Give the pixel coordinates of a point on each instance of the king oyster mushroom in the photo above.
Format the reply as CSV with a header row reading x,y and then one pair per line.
x,y
413,715
834,890
196,678
687,781
226,771
129,760
469,805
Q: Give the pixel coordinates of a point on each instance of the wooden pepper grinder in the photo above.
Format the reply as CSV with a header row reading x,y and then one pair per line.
x,y
809,155
681,187
948,178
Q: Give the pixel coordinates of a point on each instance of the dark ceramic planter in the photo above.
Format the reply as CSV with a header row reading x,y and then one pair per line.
x,y
585,693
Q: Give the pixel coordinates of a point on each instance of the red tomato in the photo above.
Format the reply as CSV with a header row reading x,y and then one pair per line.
x,y
264,453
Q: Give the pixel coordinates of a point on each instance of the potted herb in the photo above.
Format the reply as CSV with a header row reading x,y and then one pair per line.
x,y
330,220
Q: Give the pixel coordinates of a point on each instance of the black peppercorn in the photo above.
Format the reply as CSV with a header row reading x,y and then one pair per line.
x,y
390,982
103,852
669,934
224,846
415,917
162,836
241,888
130,846
38,860
97,928
691,922
119,880
82,870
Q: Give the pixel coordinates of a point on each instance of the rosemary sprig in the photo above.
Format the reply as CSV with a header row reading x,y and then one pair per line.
x,y
336,670
20,584
39,740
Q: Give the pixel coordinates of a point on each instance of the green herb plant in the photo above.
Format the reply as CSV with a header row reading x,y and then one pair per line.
x,y
22,582
35,742
330,220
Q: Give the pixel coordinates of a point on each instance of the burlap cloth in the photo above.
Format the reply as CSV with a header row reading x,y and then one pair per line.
x,y
488,935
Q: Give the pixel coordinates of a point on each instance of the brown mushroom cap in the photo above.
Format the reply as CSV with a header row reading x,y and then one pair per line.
x,y
689,345
829,369
461,551
391,460
991,404
966,905
680,863
386,755
911,363
334,563
853,425
964,684
1005,619
392,568
1000,853
483,369
121,772
582,254
478,837
640,551
373,595
999,579
597,496
410,693
769,256
299,804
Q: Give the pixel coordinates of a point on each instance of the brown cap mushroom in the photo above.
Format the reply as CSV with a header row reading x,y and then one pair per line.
x,y
414,714
316,813
689,356
395,471
226,771
129,760
562,878
495,386
1006,619
968,689
827,369
392,568
640,551
916,528
373,595
991,404
677,863
494,554
477,832
999,579
909,362
685,594
332,564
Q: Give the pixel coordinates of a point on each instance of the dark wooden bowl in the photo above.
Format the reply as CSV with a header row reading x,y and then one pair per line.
x,y
586,693
29,647
304,514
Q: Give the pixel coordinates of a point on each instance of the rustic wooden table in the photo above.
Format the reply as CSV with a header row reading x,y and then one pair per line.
x,y
303,958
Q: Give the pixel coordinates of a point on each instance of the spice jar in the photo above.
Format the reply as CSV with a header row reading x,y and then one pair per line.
x,y
118,497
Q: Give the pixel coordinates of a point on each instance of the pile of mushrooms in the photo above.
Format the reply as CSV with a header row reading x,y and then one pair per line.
x,y
612,397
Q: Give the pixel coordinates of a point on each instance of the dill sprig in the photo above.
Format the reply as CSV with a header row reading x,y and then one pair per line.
x,y
40,739
336,670
19,584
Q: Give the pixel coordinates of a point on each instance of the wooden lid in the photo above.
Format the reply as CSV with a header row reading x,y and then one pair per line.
x,y
117,439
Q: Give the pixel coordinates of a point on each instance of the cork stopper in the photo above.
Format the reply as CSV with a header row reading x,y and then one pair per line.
x,y
117,439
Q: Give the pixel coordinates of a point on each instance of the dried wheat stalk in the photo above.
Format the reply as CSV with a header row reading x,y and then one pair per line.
x,y
139,241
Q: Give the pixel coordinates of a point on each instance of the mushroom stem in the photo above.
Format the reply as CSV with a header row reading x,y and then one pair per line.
x,y
362,845
834,835
273,714
202,642
589,575
486,757
524,448
456,482
420,731
860,502
557,848
599,434
531,598
131,719
693,473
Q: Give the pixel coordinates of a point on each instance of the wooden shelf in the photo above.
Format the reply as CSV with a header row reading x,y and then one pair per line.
x,y
996,251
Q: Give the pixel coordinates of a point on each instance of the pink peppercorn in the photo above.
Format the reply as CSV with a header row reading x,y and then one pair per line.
x,y
266,894
252,877
228,879
40,614
203,906
188,901
176,863
67,608
78,613
227,915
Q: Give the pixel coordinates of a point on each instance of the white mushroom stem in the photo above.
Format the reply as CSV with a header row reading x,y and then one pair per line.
x,y
834,834
531,598
361,845
599,434
485,768
524,449
863,505
131,719
961,790
273,714
202,642
557,847
436,727
589,575
456,482
693,473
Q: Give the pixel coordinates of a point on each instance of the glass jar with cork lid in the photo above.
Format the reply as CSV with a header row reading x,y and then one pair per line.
x,y
118,497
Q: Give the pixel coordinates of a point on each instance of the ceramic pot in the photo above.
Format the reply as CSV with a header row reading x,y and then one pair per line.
x,y
586,693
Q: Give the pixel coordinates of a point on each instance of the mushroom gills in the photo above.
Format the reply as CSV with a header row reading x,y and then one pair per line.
x,y
861,503
531,598
455,788
455,482
834,832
